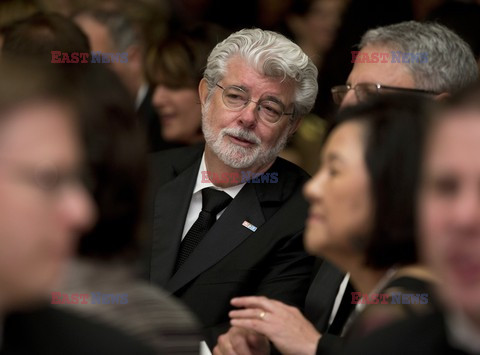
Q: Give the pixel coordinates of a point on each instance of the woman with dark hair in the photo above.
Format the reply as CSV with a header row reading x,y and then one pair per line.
x,y
362,219
175,67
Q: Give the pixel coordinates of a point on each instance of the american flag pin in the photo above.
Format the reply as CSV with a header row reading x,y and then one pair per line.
x,y
250,226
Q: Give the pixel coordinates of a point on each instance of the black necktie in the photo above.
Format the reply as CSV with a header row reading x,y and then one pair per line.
x,y
213,201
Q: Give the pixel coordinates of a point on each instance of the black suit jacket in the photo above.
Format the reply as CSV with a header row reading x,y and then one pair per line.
x,y
414,336
231,260
53,331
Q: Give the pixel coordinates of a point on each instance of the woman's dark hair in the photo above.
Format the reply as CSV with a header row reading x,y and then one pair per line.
x,y
395,129
40,34
117,161
179,60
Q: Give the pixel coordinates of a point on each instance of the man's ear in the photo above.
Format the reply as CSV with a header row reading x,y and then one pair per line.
x,y
294,126
203,91
442,96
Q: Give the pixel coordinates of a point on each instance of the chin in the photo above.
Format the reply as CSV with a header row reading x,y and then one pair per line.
x,y
312,244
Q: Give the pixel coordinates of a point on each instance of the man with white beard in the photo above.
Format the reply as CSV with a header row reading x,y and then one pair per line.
x,y
228,216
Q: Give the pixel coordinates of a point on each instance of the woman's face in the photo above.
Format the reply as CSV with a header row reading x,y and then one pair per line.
x,y
340,197
180,113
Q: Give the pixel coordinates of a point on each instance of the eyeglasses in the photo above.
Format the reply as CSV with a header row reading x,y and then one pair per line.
x,y
235,98
364,90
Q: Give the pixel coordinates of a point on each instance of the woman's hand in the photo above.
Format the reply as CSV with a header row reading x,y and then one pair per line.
x,y
283,325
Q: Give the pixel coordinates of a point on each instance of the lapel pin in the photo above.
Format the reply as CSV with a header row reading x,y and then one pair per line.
x,y
249,226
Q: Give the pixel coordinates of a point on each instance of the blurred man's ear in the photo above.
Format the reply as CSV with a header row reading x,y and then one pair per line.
x,y
442,96
203,91
294,126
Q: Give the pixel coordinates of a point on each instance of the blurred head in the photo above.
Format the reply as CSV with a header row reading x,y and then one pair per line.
x,y
117,161
40,34
256,87
315,22
44,205
114,32
362,197
450,63
175,67
449,203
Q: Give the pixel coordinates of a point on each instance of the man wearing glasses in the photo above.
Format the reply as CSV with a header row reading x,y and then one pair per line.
x,y
450,67
214,239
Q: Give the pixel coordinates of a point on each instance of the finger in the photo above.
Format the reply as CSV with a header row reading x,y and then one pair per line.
x,y
253,302
256,325
240,344
247,313
224,346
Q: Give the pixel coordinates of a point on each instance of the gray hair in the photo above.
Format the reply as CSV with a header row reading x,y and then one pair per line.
x,y
120,27
272,55
451,64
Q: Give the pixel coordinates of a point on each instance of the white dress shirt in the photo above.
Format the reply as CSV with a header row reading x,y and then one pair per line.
x,y
196,201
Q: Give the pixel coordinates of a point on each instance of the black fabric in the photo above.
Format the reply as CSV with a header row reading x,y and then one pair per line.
x,y
321,295
213,201
423,335
52,331
344,310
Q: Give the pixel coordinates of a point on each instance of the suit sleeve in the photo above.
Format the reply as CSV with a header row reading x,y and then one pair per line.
x,y
289,272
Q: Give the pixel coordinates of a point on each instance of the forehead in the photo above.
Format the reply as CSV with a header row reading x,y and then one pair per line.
x,y
240,73
455,141
347,140
38,129
393,74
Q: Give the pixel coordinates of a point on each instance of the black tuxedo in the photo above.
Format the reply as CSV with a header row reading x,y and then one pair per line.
x,y
53,331
231,260
417,335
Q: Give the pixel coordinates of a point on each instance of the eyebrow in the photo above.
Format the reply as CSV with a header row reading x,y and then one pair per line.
x,y
262,98
331,157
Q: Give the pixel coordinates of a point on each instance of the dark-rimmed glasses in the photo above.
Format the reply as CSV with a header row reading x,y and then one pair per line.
x,y
364,90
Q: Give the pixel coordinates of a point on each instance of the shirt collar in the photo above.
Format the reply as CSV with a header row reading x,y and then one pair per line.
x,y
232,191
461,333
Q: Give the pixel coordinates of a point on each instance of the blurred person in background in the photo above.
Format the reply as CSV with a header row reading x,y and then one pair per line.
x,y
369,175
109,252
41,33
313,24
449,238
435,78
113,31
175,67
45,208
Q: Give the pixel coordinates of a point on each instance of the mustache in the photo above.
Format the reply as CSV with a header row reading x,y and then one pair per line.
x,y
242,134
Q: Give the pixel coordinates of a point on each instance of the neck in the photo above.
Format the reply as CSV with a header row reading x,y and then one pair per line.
x,y
364,279
223,175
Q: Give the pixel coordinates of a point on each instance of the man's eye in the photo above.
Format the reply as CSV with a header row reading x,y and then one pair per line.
x,y
445,186
271,108
47,179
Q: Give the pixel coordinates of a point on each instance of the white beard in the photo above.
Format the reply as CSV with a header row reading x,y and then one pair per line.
x,y
236,156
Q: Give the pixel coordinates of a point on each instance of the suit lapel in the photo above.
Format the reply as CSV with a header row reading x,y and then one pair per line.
x,y
226,234
171,207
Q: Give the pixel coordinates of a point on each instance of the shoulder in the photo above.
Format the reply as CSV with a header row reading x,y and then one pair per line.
x,y
414,335
178,155
50,328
